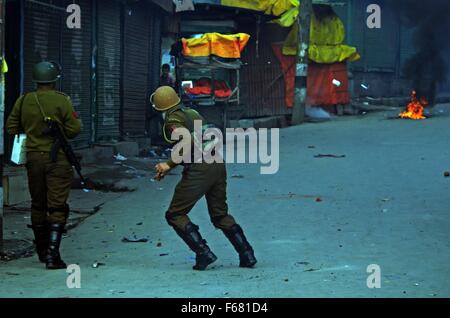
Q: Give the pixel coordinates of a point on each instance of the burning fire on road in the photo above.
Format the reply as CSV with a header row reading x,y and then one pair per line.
x,y
415,108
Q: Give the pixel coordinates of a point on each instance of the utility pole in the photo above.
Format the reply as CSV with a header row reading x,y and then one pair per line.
x,y
2,113
304,25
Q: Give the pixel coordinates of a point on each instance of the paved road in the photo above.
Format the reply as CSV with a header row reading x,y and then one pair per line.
x,y
385,203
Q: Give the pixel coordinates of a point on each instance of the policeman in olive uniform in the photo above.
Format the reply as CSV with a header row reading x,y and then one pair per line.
x,y
199,179
49,182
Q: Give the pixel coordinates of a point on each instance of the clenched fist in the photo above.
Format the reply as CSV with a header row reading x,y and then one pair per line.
x,y
162,169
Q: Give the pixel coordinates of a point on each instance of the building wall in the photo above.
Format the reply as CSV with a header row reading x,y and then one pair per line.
x,y
92,59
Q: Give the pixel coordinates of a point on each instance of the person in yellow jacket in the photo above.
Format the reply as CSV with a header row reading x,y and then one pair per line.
x,y
49,181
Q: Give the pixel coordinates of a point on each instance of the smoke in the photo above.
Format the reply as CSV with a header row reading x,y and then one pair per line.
x,y
427,68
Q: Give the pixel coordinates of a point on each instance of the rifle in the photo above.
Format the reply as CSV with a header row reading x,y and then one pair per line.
x,y
60,142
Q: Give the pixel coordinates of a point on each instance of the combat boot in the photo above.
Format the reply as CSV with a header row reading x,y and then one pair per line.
x,y
237,238
192,237
54,260
41,233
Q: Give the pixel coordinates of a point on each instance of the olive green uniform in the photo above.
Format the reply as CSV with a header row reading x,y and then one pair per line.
x,y
49,182
198,180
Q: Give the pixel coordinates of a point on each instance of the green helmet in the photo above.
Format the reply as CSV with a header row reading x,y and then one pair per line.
x,y
46,72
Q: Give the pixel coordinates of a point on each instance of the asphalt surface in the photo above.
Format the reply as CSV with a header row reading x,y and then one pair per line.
x,y
316,225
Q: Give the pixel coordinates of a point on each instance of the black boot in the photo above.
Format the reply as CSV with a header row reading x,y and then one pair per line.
x,y
54,260
242,246
204,256
40,240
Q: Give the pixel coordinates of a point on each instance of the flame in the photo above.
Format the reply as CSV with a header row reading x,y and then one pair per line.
x,y
415,108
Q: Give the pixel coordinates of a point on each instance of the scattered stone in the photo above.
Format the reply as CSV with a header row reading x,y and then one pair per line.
x,y
329,156
302,263
134,240
446,174
97,264
159,244
318,200
311,270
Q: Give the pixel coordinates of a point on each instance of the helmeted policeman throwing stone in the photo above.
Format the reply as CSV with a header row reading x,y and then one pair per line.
x,y
199,179
49,180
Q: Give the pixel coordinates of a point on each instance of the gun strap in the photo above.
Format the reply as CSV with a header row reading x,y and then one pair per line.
x,y
20,111
40,106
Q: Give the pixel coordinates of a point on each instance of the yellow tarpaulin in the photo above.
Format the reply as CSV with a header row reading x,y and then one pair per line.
x,y
273,7
326,36
326,42
223,45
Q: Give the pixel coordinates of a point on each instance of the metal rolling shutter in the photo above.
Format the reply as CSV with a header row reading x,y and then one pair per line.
x,y
41,38
407,49
136,68
155,49
76,63
108,69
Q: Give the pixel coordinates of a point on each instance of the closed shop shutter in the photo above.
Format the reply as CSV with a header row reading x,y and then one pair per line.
x,y
136,69
155,47
42,41
76,63
47,38
407,49
378,47
108,69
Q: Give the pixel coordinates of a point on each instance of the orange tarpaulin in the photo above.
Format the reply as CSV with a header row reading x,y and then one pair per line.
x,y
222,45
288,63
321,90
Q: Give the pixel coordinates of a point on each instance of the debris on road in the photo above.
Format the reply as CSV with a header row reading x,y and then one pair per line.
x,y
134,240
164,254
159,244
318,200
312,270
140,223
329,156
446,174
302,263
97,264
120,157
237,176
